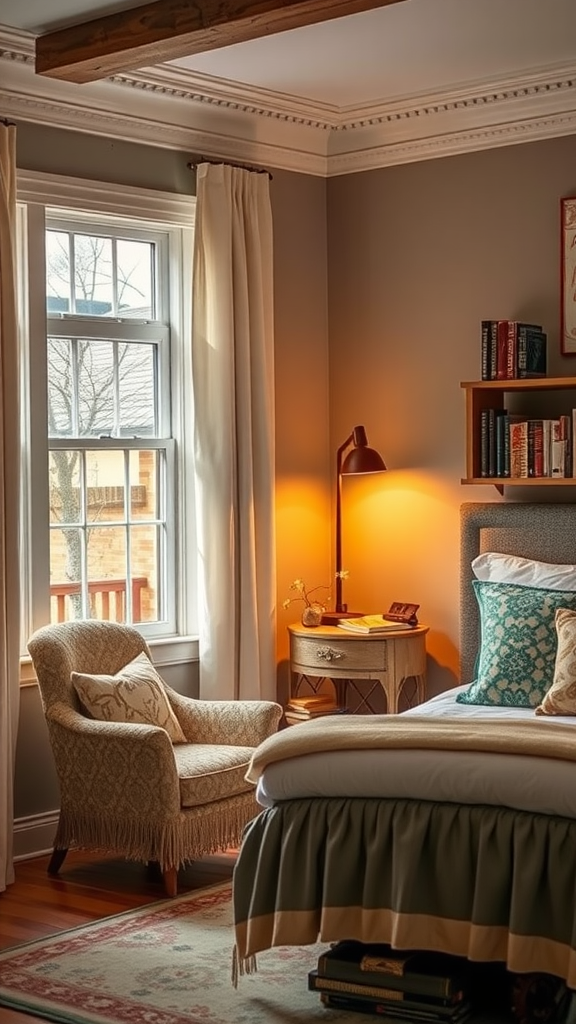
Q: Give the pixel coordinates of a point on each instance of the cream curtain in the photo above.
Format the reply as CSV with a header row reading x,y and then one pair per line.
x,y
233,387
9,497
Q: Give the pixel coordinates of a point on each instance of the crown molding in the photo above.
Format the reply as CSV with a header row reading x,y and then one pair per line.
x,y
173,108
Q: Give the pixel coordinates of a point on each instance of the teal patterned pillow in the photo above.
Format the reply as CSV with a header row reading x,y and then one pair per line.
x,y
517,644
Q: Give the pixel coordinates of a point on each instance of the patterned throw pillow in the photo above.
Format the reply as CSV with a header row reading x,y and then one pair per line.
x,y
517,644
135,694
561,697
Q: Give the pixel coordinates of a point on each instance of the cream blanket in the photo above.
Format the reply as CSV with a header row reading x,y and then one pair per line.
x,y
540,737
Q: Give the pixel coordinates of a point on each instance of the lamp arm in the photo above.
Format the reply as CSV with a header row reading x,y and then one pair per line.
x,y
339,460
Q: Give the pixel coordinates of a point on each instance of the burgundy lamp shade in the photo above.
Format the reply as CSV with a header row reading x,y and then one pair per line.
x,y
361,458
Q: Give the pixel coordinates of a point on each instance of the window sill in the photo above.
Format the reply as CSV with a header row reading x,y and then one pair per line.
x,y
171,650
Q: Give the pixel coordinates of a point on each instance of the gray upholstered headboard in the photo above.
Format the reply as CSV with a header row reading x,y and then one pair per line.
x,y
546,532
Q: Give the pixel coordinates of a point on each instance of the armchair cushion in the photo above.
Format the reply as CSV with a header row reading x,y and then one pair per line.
x,y
134,694
207,773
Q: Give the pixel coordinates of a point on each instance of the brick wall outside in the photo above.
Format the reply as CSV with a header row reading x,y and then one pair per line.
x,y
106,547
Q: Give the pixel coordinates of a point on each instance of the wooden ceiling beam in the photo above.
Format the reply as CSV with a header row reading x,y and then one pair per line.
x,y
168,29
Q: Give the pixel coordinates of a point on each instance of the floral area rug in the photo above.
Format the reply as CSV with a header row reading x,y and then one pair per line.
x,y
167,963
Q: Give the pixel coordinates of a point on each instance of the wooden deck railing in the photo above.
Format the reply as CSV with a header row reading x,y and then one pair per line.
x,y
107,599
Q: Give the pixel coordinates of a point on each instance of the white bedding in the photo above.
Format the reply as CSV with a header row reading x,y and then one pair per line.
x,y
525,783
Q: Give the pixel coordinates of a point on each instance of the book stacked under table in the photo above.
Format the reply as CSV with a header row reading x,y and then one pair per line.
x,y
403,985
300,709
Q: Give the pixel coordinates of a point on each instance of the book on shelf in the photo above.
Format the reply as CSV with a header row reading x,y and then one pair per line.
x,y
512,349
526,447
489,349
502,431
356,1004
419,973
561,450
491,442
535,448
501,349
516,329
518,448
531,358
372,624
493,449
485,342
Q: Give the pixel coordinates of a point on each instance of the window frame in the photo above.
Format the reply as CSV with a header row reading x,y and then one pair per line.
x,y
49,201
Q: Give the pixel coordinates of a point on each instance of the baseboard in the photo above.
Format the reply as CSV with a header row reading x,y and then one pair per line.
x,y
34,835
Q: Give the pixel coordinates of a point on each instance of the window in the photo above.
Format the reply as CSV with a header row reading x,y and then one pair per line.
x,y
105,489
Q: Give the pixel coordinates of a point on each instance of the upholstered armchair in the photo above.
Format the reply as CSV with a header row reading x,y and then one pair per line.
x,y
127,786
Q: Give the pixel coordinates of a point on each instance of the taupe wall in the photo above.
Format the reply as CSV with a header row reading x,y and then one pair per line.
x,y
417,256
301,347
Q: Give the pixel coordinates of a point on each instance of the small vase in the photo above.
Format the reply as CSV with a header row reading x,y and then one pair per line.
x,y
312,615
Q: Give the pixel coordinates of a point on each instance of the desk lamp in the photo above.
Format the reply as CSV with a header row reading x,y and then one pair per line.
x,y
360,459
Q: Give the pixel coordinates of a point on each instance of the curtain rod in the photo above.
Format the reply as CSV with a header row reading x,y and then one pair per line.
x,y
242,167
7,123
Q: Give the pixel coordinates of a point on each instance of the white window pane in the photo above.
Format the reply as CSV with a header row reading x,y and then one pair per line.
x,y
144,557
65,574
137,390
58,280
100,388
64,477
136,279
106,573
93,276
107,568
105,479
144,495
61,401
96,374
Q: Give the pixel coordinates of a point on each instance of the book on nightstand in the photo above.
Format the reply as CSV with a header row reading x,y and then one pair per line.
x,y
372,624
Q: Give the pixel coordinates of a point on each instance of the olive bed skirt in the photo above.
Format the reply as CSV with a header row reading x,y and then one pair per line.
x,y
488,883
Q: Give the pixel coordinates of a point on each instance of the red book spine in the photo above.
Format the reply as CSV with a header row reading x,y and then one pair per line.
x,y
519,449
512,350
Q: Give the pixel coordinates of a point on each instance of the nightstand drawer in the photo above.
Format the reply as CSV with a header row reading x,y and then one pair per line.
x,y
312,654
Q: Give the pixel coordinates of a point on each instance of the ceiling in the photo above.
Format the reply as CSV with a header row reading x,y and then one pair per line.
x,y
397,76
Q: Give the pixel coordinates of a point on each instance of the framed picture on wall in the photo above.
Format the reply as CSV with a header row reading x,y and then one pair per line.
x,y
568,276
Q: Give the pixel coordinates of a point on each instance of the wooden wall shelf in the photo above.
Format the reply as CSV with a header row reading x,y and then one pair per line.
x,y
491,394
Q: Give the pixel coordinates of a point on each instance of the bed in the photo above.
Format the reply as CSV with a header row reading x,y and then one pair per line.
x,y
451,827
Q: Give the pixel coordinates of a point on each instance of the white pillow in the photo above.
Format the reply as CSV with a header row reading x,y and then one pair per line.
x,y
495,567
135,694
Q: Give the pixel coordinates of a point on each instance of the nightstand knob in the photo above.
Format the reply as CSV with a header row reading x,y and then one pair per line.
x,y
328,654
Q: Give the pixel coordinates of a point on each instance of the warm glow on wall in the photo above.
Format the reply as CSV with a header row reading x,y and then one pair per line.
x,y
302,533
391,532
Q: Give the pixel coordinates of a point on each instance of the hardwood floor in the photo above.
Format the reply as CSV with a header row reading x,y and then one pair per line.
x,y
89,887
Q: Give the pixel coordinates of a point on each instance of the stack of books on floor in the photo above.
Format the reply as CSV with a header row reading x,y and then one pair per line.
x,y
300,709
403,985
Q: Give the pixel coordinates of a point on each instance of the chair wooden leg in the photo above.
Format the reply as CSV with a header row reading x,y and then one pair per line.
x,y
56,861
170,877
